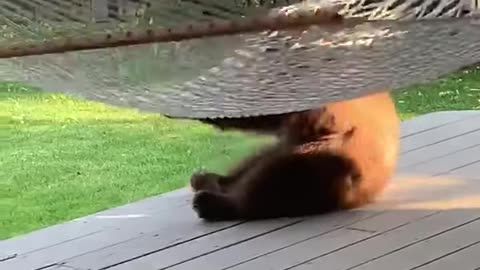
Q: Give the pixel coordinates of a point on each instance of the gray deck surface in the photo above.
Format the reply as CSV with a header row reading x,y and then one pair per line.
x,y
429,219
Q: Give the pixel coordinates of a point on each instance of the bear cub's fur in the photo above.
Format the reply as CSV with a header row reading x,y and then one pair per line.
x,y
340,156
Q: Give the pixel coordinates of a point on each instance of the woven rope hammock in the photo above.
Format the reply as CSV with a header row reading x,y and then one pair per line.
x,y
230,58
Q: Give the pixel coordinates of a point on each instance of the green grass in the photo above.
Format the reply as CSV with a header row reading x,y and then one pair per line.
x,y
460,91
62,158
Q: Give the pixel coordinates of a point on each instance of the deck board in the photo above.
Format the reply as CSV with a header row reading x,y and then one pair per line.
x,y
445,164
440,149
465,258
440,134
151,209
433,221
433,120
426,251
177,253
469,170
391,241
162,230
327,243
225,257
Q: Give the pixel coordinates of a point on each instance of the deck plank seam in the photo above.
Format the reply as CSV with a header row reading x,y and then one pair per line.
x,y
60,261
446,255
377,235
458,168
465,165
45,267
231,245
345,226
8,257
65,260
346,246
440,125
440,141
20,255
84,219
66,266
361,230
439,156
415,242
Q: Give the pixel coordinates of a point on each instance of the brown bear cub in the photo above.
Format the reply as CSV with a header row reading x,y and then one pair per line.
x,y
340,156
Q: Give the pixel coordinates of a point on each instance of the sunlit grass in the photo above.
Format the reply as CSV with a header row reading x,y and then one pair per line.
x,y
63,158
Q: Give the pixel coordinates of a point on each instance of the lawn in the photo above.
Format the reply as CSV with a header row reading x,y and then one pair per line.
x,y
63,158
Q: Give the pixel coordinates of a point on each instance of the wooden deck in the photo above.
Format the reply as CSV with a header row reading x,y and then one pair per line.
x,y
429,219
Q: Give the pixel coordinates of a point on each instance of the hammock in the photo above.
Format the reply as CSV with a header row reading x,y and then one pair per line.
x,y
202,59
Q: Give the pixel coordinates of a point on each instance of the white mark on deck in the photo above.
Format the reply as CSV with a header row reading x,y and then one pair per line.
x,y
122,216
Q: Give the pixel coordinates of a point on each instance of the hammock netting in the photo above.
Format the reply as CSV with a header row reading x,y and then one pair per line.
x,y
233,58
